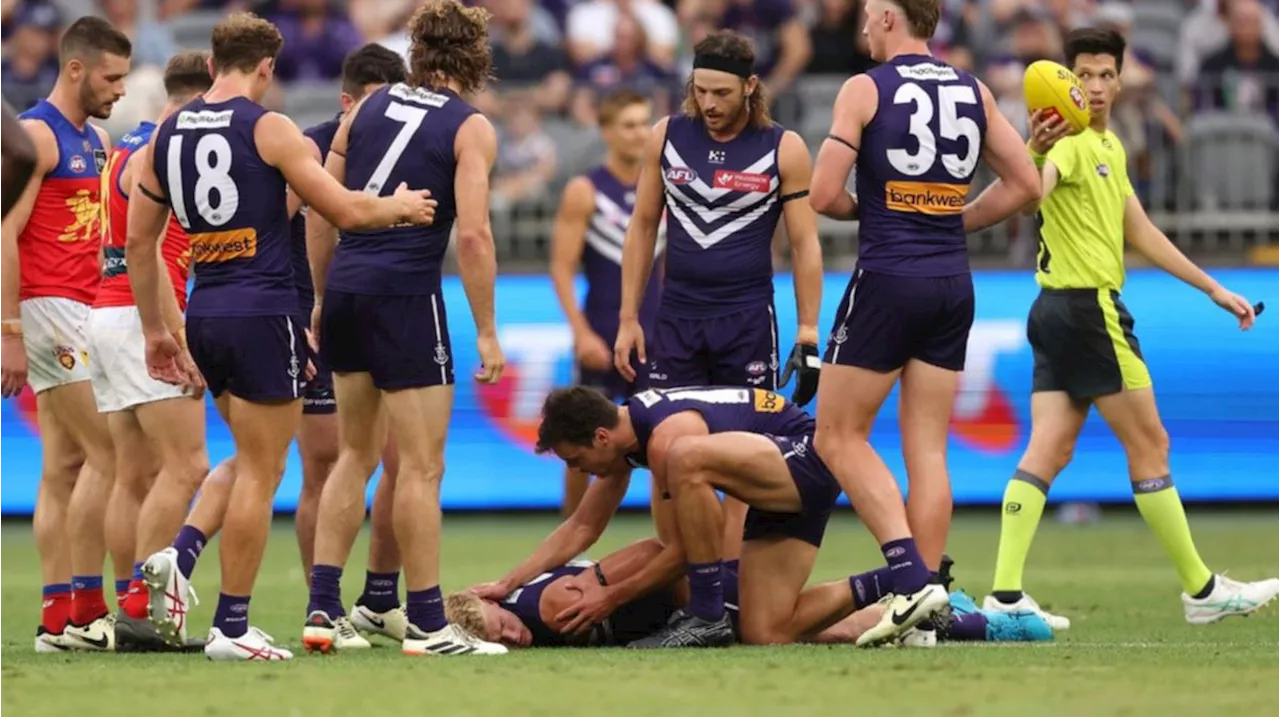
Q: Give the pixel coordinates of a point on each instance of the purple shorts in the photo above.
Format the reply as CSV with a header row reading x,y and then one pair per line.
x,y
884,321
818,492
739,349
400,341
260,359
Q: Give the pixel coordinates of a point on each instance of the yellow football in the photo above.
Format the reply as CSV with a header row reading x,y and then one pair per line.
x,y
1050,86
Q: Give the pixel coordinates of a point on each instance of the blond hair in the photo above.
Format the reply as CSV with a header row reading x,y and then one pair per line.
x,y
467,612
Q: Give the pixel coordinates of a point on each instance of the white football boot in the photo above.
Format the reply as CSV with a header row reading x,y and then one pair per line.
x,y
253,645
448,641
1229,597
171,596
390,624
903,612
47,642
324,634
1026,603
97,636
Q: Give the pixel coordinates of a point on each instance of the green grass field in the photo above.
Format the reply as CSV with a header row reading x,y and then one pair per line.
x,y
1128,652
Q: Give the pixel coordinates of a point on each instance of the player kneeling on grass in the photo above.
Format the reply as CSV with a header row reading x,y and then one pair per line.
x,y
749,443
532,615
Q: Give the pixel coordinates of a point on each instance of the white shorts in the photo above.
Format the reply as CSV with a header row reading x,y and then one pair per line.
x,y
119,368
53,331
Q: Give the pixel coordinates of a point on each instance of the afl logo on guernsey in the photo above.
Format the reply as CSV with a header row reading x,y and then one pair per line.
x,y
680,175
77,164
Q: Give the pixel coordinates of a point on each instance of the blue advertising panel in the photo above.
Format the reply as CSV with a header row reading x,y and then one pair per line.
x,y
1217,390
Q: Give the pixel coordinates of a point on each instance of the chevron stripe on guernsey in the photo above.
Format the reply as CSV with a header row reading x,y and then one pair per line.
x,y
709,216
608,229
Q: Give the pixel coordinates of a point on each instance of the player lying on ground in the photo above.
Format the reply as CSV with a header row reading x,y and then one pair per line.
x,y
533,614
750,443
1086,353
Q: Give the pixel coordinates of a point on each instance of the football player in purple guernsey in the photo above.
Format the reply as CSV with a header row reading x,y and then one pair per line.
x,y
915,128
225,166
381,320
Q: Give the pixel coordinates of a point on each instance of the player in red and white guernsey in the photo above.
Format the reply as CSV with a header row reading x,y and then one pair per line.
x,y
157,429
51,276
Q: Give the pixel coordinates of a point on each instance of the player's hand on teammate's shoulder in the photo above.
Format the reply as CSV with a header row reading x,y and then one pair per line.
x,y
593,606
417,206
1234,303
491,359
13,365
1046,128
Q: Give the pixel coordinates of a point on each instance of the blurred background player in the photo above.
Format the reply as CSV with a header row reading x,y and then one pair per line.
x,y
377,611
381,318
246,338
1086,353
155,427
915,127
51,266
591,225
19,161
725,173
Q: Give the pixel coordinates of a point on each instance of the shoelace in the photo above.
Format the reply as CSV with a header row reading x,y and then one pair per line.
x,y
345,629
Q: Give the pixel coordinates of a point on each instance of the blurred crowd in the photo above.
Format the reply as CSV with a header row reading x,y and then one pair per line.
x,y
554,58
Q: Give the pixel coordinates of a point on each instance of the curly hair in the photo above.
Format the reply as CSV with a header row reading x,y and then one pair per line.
x,y
243,40
450,42
467,612
730,46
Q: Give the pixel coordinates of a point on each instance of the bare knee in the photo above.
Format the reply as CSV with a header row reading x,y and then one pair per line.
x,y
751,634
1047,456
828,444
686,460
1148,449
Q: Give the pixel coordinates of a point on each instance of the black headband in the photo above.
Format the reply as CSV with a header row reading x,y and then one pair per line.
x,y
741,68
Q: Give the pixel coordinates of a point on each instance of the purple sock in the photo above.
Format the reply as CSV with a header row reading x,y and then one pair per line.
x,y
326,591
137,571
426,609
232,615
970,627
189,544
870,586
706,591
122,585
909,572
381,591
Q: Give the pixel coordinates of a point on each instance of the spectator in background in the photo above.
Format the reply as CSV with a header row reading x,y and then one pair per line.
x,y
526,156
780,38
546,29
152,42
839,47
523,63
592,28
951,39
1139,109
384,22
1242,77
625,66
31,55
1204,32
316,40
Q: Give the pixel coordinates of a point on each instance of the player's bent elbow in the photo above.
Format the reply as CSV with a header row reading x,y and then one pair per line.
x,y
822,201
685,458
474,242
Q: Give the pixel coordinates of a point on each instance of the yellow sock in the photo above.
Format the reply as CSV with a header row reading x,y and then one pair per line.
x,y
1020,516
1161,508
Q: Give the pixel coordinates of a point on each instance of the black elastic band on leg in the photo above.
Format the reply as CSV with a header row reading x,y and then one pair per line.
x,y
1151,485
599,574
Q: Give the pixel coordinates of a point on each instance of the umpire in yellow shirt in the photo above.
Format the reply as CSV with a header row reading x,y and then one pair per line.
x,y
1085,349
